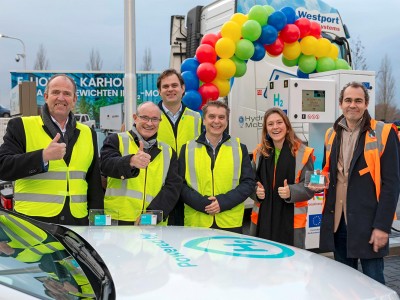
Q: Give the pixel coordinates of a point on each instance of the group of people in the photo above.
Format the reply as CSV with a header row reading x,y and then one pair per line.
x,y
196,177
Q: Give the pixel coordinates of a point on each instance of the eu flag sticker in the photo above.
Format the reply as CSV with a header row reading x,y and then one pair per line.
x,y
314,220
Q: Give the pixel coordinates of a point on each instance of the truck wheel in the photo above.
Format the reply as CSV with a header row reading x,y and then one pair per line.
x,y
6,115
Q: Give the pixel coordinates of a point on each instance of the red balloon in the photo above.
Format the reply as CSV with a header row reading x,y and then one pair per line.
x,y
290,33
208,91
206,72
304,26
276,48
315,29
219,35
210,39
206,53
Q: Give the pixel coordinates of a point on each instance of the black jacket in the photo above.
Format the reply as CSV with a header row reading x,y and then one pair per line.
x,y
117,166
15,164
364,211
226,201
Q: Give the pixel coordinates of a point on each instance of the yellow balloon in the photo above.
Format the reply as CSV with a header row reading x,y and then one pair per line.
x,y
334,52
308,45
291,51
223,86
225,47
323,47
226,68
231,30
239,18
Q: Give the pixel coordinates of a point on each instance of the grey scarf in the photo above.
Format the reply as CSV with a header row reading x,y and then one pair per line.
x,y
146,144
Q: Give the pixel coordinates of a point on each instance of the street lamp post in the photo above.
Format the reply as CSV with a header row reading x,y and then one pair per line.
x,y
23,55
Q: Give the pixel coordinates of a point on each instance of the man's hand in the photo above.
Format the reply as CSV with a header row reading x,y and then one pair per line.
x,y
260,191
141,159
54,150
378,239
6,249
284,192
213,208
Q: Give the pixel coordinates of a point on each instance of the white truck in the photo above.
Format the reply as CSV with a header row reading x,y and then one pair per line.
x,y
85,119
111,117
311,104
250,97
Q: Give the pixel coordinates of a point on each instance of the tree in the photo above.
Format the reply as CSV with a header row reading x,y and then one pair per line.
x,y
41,62
147,60
95,62
359,61
386,91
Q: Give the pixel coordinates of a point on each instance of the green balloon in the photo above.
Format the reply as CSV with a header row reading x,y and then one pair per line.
x,y
269,9
290,62
341,64
241,66
244,49
307,63
325,64
251,30
259,14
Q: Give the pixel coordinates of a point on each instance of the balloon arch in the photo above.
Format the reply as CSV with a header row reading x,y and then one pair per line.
x,y
222,56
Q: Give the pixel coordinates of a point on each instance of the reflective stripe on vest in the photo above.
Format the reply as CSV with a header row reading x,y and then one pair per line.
x,y
189,127
302,156
23,236
126,199
44,194
224,177
375,143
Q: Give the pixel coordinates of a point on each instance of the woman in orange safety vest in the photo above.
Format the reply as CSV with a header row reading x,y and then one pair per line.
x,y
280,162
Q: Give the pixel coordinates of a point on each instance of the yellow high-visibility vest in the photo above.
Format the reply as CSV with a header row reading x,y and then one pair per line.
x,y
44,194
189,127
126,199
224,177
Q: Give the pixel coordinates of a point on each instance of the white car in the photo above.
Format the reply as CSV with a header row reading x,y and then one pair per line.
x,y
85,119
153,262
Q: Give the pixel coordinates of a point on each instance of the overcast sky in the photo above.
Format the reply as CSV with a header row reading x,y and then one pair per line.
x,y
70,29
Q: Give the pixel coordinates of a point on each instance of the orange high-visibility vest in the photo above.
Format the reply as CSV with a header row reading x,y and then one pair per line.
x,y
302,156
373,149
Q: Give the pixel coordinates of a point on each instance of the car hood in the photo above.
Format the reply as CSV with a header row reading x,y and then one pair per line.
x,y
194,263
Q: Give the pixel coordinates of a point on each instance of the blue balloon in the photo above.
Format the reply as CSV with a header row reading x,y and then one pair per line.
x,y
259,52
191,80
300,74
192,99
190,64
278,20
290,14
268,35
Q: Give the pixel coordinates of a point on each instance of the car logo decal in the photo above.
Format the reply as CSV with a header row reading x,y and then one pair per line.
x,y
240,247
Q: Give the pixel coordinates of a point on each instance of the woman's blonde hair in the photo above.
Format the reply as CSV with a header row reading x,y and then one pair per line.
x,y
267,143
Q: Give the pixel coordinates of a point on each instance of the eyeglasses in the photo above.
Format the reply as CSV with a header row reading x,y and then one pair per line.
x,y
147,119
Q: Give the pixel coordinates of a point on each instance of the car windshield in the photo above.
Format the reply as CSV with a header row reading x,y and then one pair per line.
x,y
77,117
34,262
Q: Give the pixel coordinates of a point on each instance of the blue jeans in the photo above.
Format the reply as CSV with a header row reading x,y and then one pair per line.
x,y
371,267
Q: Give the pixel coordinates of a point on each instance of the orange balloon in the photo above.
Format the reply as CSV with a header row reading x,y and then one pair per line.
x,y
223,86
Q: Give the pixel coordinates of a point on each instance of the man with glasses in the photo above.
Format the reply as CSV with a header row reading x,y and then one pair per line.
x,y
180,124
142,172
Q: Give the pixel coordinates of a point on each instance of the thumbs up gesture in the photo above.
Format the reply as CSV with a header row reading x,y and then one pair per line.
x,y
141,159
260,191
284,192
54,150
